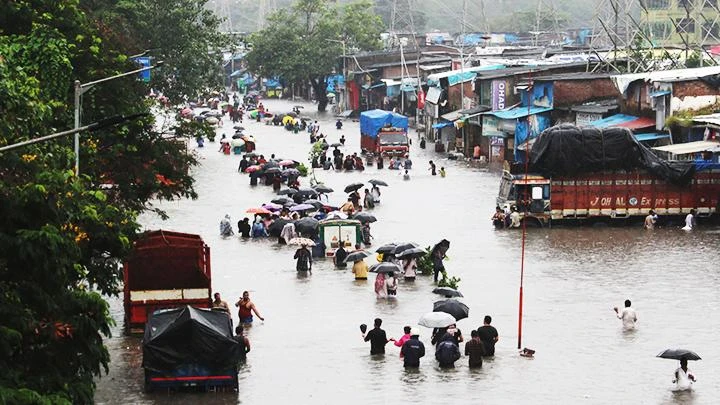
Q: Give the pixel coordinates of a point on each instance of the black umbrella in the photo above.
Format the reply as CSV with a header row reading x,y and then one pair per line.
x,y
377,183
357,256
447,292
336,145
239,128
679,354
287,191
307,192
276,227
314,203
453,307
413,252
271,164
306,225
385,267
237,135
251,154
386,248
272,170
403,247
321,188
282,200
364,217
354,187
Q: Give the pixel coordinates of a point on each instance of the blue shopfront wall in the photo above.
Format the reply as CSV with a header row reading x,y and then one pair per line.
x,y
540,95
527,129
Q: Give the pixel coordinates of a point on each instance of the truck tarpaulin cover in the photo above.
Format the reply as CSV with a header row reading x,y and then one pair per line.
x,y
371,121
566,150
181,336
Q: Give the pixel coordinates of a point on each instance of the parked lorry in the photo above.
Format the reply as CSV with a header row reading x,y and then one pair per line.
x,y
614,179
191,347
165,270
384,133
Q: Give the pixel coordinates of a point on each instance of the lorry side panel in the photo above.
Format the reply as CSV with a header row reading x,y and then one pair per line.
x,y
582,198
621,195
557,198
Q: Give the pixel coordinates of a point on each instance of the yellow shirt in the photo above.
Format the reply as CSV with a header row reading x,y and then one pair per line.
x,y
360,269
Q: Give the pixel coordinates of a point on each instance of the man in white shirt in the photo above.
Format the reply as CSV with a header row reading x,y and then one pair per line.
x,y
628,315
650,220
514,217
690,221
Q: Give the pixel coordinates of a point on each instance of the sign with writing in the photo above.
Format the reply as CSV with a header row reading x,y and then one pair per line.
x,y
584,119
498,94
144,62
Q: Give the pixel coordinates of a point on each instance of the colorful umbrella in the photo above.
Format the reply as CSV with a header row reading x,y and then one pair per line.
x,y
287,162
302,207
301,241
253,168
259,210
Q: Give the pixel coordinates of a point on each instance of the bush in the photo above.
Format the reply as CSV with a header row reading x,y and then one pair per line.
x,y
446,281
303,169
424,263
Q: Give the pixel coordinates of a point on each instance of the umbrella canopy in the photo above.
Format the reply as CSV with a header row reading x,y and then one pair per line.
x,y
273,170
378,183
287,191
385,267
453,307
336,145
239,128
301,241
307,192
302,207
276,227
386,248
271,164
292,114
253,168
287,162
234,142
357,256
321,188
315,203
259,210
436,320
679,354
403,247
364,217
288,120
414,252
336,215
251,155
353,187
447,292
272,206
291,172
282,200
306,225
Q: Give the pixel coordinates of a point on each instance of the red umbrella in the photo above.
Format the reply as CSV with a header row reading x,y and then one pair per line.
x,y
251,169
258,211
287,162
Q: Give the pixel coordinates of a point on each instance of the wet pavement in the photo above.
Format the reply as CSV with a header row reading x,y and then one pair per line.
x,y
309,349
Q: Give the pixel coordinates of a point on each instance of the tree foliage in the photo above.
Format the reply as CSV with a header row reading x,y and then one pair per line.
x,y
298,42
62,235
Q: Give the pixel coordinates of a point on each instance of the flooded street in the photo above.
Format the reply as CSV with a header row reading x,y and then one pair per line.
x,y
309,349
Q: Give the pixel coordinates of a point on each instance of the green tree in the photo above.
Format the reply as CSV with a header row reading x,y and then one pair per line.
x,y
295,46
63,235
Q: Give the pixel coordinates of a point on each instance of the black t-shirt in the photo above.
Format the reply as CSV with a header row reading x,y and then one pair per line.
x,y
244,229
378,340
412,350
487,335
475,350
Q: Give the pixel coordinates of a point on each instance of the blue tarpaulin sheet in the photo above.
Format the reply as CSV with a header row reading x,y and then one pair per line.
x,y
651,136
371,121
442,124
613,120
518,112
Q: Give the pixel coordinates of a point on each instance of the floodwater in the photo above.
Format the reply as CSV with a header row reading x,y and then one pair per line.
x,y
309,349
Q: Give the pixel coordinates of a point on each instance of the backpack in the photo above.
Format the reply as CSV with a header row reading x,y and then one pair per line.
x,y
446,353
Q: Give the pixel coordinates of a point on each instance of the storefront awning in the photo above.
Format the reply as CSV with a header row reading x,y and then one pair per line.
x,y
452,116
518,112
442,124
624,121
652,136
374,86
690,147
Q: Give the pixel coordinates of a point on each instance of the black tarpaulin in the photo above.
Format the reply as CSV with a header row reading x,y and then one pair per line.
x,y
187,335
567,150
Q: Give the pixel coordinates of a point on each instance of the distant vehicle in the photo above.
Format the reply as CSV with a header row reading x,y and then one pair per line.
x,y
190,347
165,270
384,133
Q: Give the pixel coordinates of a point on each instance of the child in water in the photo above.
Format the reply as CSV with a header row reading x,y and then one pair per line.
x,y
442,172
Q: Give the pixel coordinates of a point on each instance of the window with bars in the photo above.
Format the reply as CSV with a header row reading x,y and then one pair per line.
x,y
685,25
658,4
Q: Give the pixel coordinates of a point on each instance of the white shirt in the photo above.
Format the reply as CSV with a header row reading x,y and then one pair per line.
x,y
688,222
410,268
629,317
683,382
515,219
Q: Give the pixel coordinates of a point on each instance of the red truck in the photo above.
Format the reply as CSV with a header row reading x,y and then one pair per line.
x,y
610,196
384,133
165,270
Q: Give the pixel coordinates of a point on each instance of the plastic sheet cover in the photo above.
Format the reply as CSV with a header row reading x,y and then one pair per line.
x,y
567,150
182,336
371,121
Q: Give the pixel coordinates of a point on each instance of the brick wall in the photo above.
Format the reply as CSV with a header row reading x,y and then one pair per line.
x,y
693,88
573,92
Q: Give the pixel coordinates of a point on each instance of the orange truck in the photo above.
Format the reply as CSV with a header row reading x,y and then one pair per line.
x,y
165,270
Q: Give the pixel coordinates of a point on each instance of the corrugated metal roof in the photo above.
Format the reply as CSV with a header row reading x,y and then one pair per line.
x,y
623,81
690,147
623,120
713,119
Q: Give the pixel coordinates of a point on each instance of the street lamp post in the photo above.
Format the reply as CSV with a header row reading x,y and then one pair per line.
x,y
80,89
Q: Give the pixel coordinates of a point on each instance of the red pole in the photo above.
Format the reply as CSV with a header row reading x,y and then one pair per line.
x,y
524,228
